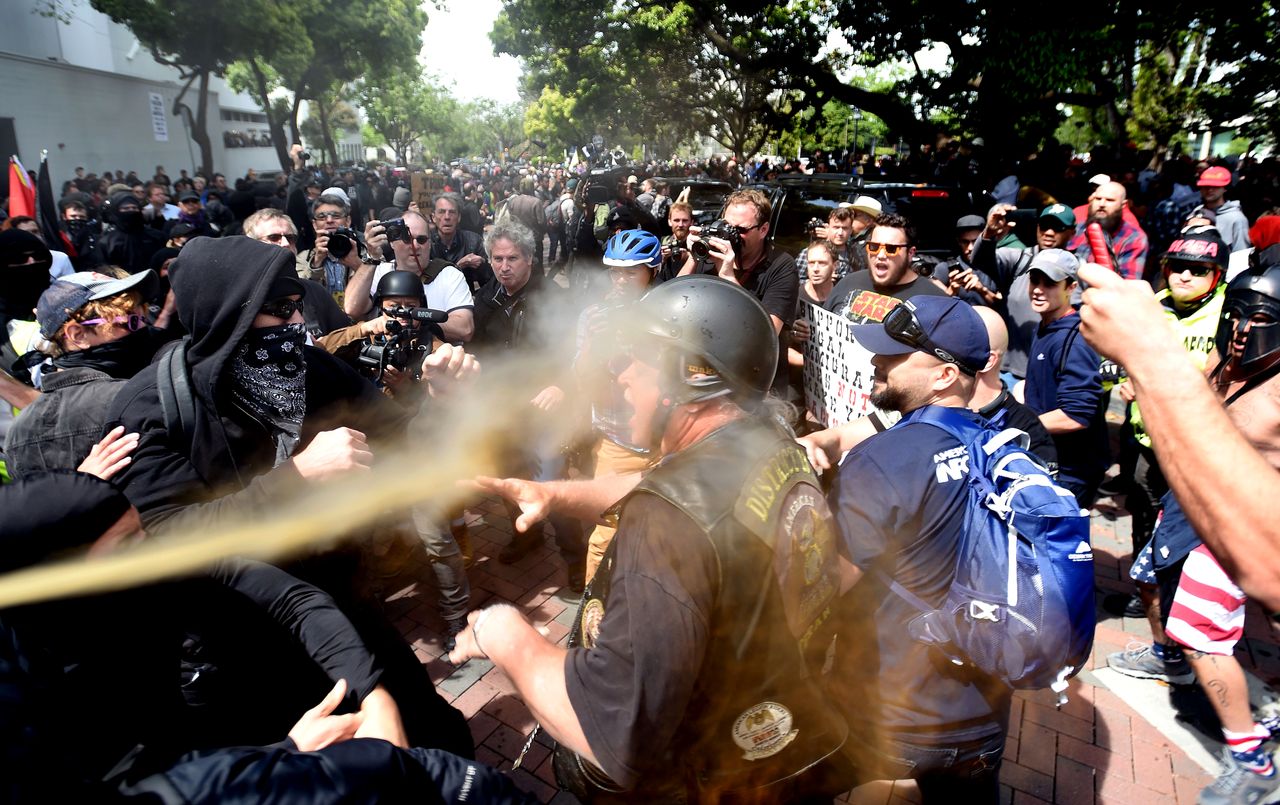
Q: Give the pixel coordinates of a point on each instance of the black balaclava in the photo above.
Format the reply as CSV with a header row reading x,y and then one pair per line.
x,y
22,281
128,218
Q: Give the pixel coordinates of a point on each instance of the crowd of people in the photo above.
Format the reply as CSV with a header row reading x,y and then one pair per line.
x,y
172,367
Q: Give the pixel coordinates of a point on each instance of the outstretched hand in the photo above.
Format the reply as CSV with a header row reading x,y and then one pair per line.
x,y
533,498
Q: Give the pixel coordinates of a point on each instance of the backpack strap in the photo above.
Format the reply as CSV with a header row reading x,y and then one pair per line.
x,y
946,419
433,269
177,401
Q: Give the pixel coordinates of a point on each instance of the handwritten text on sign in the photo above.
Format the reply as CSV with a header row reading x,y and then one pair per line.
x,y
837,372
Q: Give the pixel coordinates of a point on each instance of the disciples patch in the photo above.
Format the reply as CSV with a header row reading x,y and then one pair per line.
x,y
764,730
589,626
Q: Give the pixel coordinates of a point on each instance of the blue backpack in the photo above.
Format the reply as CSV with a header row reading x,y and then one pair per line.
x,y
1021,608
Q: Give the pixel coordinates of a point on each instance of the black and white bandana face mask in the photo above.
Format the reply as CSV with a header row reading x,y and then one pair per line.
x,y
269,376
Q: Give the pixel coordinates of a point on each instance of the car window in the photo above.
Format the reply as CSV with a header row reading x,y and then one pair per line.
x,y
800,206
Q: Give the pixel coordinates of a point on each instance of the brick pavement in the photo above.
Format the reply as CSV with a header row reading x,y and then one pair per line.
x,y
1095,749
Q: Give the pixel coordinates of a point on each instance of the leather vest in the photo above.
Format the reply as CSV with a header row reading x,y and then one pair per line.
x,y
758,716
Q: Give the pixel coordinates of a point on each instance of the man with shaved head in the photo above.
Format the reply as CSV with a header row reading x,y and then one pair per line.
x,y
1125,239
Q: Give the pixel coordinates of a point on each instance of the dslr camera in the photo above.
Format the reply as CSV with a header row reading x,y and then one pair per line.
x,y
341,241
813,225
721,229
403,346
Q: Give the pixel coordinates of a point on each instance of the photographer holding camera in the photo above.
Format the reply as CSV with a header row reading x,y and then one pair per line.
x,y
444,287
737,250
336,253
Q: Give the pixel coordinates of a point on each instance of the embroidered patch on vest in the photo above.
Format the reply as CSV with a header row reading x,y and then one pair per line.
x,y
589,628
764,730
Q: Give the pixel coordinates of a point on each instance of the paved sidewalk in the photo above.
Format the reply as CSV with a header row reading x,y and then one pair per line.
x,y
1100,747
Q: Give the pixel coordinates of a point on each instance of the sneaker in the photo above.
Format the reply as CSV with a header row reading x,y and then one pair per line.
x,y
1239,783
1138,660
1134,609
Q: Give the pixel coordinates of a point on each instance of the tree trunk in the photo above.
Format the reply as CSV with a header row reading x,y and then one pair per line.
x,y
202,126
326,133
273,123
293,112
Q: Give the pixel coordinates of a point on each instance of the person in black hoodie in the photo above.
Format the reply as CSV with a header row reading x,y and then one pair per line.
x,y
268,416
86,714
132,243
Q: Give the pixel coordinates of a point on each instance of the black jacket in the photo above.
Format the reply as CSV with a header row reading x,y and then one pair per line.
x,y
227,467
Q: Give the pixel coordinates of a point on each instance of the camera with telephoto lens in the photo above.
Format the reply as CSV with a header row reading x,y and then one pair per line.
x,y
721,229
403,346
341,241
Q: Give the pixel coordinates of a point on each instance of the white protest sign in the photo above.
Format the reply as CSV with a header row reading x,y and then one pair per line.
x,y
837,371
159,123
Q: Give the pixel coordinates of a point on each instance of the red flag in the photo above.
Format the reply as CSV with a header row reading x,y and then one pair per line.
x,y
48,217
22,194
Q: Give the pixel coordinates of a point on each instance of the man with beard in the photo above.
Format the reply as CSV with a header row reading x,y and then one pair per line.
x,y
897,516
694,670
674,248
132,243
98,329
1125,239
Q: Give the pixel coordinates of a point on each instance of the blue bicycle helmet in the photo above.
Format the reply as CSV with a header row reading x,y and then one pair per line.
x,y
632,248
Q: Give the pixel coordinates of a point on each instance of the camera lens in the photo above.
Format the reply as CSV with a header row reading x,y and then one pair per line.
x,y
339,245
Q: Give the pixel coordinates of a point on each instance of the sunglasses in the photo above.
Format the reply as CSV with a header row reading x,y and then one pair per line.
x,y
281,308
1194,270
421,240
902,326
329,216
890,249
276,237
134,321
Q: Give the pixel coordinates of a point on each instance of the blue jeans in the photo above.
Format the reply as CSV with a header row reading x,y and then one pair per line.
x,y
965,772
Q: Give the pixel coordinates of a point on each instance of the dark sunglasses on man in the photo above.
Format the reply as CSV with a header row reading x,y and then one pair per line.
x,y
281,308
276,237
902,326
890,249
1194,269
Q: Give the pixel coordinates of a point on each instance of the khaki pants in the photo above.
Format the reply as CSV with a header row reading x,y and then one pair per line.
x,y
611,459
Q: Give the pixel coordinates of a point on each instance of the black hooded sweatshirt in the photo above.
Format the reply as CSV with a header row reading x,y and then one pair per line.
x,y
226,469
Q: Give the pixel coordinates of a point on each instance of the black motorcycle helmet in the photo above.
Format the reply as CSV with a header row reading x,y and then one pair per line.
x,y
1253,293
714,339
400,283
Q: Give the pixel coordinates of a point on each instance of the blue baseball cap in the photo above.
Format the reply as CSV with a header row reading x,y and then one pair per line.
x,y
955,332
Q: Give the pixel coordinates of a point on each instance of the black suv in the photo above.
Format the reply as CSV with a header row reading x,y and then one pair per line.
x,y
797,199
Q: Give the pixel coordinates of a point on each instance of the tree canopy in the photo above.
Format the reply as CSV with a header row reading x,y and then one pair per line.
x,y
1145,69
